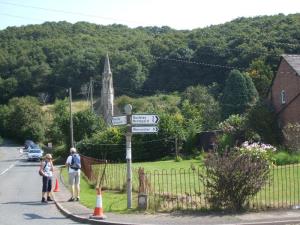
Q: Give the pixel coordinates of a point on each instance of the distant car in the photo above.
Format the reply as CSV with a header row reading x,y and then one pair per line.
x,y
27,144
34,153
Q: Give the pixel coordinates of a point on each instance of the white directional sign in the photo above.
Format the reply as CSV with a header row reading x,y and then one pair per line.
x,y
119,120
145,119
144,129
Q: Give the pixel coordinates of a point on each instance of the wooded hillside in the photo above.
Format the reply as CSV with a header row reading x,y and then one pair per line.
x,y
51,57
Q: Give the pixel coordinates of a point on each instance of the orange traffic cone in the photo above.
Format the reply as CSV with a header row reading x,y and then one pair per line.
x,y
56,189
98,211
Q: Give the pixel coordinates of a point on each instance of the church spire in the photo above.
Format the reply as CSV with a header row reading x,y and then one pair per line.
x,y
106,65
107,93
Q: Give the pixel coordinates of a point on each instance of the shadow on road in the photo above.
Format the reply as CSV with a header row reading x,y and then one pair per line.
x,y
26,161
25,203
33,216
27,165
9,160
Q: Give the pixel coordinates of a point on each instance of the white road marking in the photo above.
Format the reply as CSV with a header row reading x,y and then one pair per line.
x,y
11,166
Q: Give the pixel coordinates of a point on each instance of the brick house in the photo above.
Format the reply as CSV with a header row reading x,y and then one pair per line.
x,y
285,90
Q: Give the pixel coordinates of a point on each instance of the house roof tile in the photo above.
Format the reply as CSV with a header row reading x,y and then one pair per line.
x,y
293,61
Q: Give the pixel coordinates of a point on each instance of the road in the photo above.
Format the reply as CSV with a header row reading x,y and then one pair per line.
x,y
20,192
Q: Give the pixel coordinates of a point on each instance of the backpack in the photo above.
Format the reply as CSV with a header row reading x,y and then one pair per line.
x,y
41,171
75,163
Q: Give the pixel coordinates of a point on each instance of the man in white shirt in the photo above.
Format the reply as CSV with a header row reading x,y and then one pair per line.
x,y
73,165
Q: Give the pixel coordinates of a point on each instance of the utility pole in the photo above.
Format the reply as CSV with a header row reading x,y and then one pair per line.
x,y
128,111
91,89
71,118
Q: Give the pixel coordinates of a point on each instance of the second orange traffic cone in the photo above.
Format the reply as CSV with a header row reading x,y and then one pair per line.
x,y
56,189
98,211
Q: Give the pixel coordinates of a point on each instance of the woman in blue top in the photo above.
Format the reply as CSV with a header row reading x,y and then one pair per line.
x,y
46,169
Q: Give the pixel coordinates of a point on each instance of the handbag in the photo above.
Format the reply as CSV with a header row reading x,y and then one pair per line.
x,y
41,173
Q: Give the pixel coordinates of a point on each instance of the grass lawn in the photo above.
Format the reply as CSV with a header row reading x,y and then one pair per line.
x,y
163,176
167,165
283,189
77,105
171,178
114,201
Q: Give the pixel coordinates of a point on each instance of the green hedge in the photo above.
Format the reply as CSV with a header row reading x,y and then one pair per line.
x,y
285,158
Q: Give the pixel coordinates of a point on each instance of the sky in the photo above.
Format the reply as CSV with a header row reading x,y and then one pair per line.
x,y
177,14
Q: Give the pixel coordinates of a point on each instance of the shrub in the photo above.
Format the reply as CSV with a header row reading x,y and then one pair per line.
x,y
233,129
232,178
225,141
107,144
60,154
291,134
258,150
266,127
86,123
284,158
202,103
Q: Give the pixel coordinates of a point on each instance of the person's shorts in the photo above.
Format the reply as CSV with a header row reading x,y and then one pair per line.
x,y
74,178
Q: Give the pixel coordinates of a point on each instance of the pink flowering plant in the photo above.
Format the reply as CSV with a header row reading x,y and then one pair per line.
x,y
258,150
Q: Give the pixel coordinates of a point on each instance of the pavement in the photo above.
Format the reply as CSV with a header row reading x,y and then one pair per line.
x,y
80,213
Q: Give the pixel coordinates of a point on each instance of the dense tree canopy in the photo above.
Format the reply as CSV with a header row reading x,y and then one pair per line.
x,y
51,57
23,119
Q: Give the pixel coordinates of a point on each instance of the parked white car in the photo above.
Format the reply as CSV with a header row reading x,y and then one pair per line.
x,y
34,153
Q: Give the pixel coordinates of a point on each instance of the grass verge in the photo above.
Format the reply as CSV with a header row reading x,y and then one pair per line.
x,y
112,201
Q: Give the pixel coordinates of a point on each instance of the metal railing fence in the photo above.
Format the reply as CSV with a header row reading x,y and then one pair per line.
x,y
182,188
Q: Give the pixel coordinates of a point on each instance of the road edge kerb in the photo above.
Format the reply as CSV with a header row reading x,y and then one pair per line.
x,y
80,219
103,222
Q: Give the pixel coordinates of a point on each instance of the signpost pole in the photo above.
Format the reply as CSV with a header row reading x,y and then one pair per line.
x,y
128,111
130,121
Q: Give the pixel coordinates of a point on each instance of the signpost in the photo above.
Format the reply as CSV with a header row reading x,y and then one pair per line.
x,y
144,129
119,120
129,120
145,119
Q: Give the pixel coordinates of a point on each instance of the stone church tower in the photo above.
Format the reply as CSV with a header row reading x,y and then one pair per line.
x,y
107,93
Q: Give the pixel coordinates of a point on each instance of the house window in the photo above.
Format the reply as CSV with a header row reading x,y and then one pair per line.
x,y
283,97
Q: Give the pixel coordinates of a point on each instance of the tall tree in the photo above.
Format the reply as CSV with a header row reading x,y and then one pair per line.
x,y
26,119
239,94
261,74
199,99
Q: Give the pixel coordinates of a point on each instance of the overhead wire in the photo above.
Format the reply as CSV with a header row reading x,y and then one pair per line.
x,y
129,90
66,12
182,60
